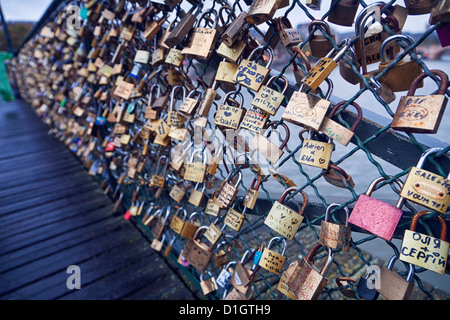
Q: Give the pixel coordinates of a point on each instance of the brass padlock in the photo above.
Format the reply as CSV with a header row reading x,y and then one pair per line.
x,y
308,110
338,132
271,260
392,286
157,244
346,70
159,178
196,171
323,68
183,27
234,30
173,118
306,281
417,7
283,286
252,193
315,153
202,40
226,191
177,193
283,219
425,187
209,285
227,115
254,120
234,219
251,74
159,225
243,277
196,196
188,107
269,100
262,10
423,250
402,73
421,114
197,253
289,36
318,43
338,177
333,235
177,222
191,225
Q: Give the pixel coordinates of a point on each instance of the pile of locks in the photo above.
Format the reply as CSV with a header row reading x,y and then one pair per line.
x,y
124,85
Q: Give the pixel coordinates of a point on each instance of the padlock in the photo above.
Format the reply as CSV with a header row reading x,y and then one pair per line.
x,y
283,286
323,68
254,120
223,280
306,281
423,250
333,235
344,12
195,171
251,74
319,45
421,114
401,75
346,290
227,115
159,178
234,29
366,284
235,294
159,225
395,17
222,256
425,187
440,14
183,27
308,110
209,285
252,193
289,36
283,219
299,74
188,107
243,277
178,191
213,233
225,75
271,260
418,7
262,10
376,216
392,285
346,70
177,222
191,226
173,118
338,177
314,152
197,253
268,99
226,191
174,58
169,247
268,149
234,219
196,196
202,40
338,132
158,244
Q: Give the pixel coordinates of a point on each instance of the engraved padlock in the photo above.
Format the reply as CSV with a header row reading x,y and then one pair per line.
x,y
315,152
268,99
252,193
191,225
177,222
226,191
376,216
197,253
227,115
195,171
271,260
283,219
224,278
425,187
208,285
189,105
334,235
423,250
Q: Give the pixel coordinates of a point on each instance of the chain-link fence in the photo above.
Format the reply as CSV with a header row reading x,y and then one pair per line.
x,y
71,77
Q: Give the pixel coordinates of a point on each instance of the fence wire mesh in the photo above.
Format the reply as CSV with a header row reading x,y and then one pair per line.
x,y
47,71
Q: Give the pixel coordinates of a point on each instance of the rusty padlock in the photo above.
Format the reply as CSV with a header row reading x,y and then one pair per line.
x,y
197,253
333,235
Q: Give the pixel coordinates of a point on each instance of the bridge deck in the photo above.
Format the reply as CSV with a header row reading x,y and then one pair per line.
x,y
53,214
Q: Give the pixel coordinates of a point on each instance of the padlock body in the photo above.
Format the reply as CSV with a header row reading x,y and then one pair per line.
x,y
201,43
400,77
316,153
271,261
228,116
283,285
335,236
177,224
268,100
336,131
420,114
375,216
195,172
250,198
189,229
208,286
251,75
197,254
234,219
177,193
283,220
321,70
417,7
306,281
393,286
196,197
424,251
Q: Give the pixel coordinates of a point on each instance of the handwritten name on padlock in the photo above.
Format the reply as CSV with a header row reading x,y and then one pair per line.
x,y
283,220
315,153
272,261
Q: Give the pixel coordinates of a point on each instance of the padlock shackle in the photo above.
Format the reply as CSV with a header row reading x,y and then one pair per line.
x,y
277,239
304,195
320,24
361,19
183,210
172,95
152,88
442,86
285,126
327,265
378,180
236,94
286,82
327,212
302,55
257,180
204,228
205,155
205,15
420,214
410,271
358,112
232,174
268,50
397,37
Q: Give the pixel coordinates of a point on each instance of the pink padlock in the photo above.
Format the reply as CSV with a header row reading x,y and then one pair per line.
x,y
376,216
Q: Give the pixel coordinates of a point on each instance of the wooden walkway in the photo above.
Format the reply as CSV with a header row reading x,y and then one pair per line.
x,y
53,214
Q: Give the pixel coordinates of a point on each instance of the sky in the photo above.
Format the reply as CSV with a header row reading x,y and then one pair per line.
x,y
32,10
